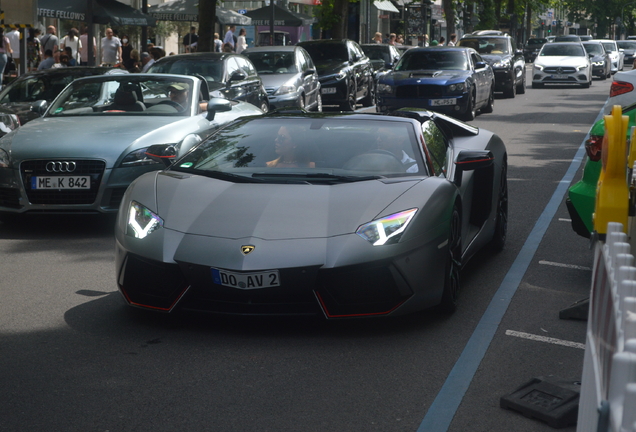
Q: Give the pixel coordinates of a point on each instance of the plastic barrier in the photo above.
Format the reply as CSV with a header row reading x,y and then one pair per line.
x,y
608,386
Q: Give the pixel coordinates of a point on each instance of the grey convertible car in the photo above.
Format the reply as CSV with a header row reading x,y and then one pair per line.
x,y
91,142
328,214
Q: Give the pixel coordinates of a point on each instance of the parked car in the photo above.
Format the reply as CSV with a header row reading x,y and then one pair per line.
x,y
585,38
532,48
617,56
289,76
562,63
506,60
19,95
452,80
229,75
269,234
600,59
345,72
383,56
550,38
629,51
582,195
92,141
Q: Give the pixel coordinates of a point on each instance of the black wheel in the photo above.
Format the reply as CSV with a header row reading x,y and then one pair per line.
x,y
369,99
490,106
521,88
301,101
470,109
350,103
264,106
501,224
453,266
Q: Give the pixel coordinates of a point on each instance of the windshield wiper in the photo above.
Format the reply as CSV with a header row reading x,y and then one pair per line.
x,y
236,178
318,177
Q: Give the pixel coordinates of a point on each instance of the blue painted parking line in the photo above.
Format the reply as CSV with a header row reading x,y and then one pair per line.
x,y
443,409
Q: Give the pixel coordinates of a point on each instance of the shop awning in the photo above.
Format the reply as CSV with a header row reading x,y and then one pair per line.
x,y
385,5
104,12
188,10
282,17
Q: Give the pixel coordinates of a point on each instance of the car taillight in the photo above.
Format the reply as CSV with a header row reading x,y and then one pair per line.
x,y
620,87
593,147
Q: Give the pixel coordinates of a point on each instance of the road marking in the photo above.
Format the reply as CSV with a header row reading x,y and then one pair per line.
x,y
565,220
538,338
441,412
572,266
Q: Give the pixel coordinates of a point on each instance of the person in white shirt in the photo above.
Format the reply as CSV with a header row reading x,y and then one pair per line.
x,y
452,40
14,39
111,49
73,41
241,43
391,140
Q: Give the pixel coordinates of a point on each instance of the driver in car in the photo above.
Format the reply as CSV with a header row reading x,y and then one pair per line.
x,y
179,95
389,139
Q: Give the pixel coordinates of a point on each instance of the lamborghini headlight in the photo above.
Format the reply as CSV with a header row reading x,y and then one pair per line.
x,y
387,230
141,221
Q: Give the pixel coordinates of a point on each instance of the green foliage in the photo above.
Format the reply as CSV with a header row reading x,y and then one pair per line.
x,y
327,18
487,16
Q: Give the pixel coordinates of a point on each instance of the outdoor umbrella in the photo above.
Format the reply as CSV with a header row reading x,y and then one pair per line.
x,y
188,10
282,17
104,12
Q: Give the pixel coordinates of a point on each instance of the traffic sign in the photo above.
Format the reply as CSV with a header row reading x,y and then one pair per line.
x,y
242,11
554,22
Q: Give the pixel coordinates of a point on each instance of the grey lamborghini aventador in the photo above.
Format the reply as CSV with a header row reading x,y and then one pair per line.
x,y
341,215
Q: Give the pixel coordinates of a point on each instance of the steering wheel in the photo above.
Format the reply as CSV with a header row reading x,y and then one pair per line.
x,y
384,152
175,105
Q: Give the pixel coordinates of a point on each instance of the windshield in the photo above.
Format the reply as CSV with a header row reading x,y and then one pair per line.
x,y
433,59
307,150
486,45
564,49
609,46
273,62
327,52
596,49
36,88
211,70
125,95
378,53
626,44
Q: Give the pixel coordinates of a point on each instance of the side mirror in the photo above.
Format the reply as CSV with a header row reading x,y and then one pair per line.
x,y
217,105
239,75
39,107
480,65
469,160
388,65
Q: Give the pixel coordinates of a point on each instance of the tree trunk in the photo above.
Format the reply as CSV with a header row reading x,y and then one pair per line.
x,y
207,18
340,8
449,11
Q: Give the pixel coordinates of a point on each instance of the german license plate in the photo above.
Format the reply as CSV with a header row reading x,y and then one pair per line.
x,y
443,102
61,182
246,281
559,77
328,90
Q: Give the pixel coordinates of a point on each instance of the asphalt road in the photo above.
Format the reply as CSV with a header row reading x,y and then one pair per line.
x,y
74,357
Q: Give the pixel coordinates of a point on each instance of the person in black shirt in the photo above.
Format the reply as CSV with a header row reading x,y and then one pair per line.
x,y
190,40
